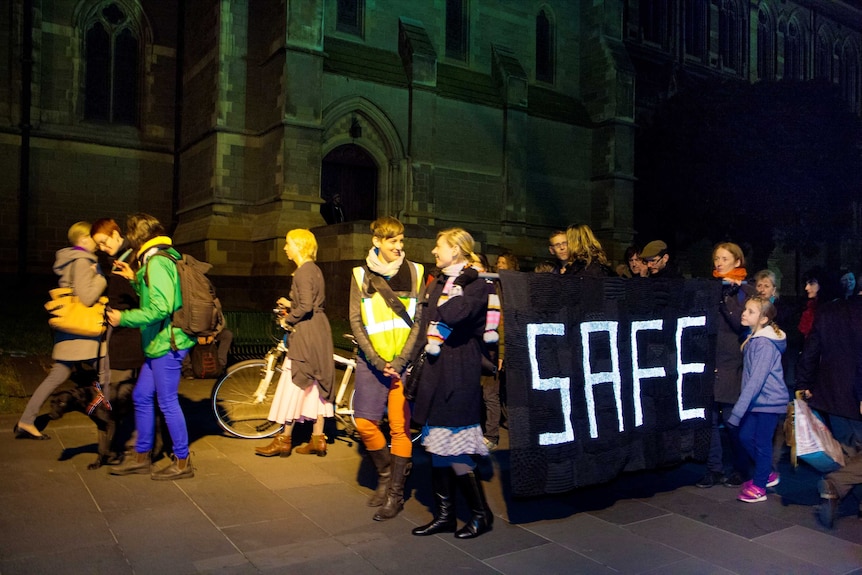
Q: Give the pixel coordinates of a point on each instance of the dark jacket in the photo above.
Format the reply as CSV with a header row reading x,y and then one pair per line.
x,y
593,270
124,346
669,271
731,334
450,391
829,365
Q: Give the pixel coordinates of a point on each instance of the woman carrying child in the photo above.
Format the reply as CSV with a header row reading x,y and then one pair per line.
x,y
764,395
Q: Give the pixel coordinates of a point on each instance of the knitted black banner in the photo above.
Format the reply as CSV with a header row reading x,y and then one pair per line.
x,y
605,376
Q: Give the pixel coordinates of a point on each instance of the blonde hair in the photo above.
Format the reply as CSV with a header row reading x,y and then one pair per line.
x,y
583,245
305,242
767,275
77,231
386,227
734,250
767,310
461,239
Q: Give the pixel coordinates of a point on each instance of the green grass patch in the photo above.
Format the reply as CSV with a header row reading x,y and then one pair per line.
x,y
24,329
25,338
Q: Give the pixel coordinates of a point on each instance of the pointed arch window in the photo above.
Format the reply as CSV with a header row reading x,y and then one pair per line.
x,y
655,21
848,77
696,28
350,16
823,56
794,56
765,46
730,35
457,27
112,56
544,48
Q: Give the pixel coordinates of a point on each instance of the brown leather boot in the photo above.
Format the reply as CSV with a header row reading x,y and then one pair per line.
x,y
401,467
315,446
281,445
136,463
178,469
383,464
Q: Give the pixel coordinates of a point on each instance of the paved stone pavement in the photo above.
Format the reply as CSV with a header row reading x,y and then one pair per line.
x,y
304,514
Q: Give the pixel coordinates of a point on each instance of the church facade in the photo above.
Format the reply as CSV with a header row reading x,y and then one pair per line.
x,y
235,121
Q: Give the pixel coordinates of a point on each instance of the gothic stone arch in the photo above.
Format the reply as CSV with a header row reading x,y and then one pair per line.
x,y
360,122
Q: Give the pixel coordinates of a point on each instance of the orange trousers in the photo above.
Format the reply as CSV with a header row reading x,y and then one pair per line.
x,y
399,425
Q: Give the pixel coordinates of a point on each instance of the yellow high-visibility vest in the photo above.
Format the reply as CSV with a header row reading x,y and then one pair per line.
x,y
387,331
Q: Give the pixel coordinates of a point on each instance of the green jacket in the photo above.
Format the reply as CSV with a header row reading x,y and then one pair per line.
x,y
157,283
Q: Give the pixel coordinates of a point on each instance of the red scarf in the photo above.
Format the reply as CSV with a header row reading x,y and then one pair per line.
x,y
736,274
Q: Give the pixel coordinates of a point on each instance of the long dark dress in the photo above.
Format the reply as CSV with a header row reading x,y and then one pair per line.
x,y
310,345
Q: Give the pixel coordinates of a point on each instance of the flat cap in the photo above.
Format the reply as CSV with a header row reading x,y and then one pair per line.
x,y
653,249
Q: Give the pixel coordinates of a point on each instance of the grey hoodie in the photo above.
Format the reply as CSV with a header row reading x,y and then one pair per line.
x,y
763,387
75,267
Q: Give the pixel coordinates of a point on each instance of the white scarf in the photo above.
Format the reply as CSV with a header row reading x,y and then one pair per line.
x,y
454,269
378,266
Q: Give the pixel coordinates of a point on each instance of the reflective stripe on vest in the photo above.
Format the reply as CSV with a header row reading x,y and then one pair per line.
x,y
387,331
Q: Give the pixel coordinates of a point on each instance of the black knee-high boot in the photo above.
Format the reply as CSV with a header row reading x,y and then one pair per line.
x,y
481,517
443,482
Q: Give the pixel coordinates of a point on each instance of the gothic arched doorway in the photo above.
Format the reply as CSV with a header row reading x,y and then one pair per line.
x,y
350,172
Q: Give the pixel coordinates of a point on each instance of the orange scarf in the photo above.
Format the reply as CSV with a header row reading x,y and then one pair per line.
x,y
736,274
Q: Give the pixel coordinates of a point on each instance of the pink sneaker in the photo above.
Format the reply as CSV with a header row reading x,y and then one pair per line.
x,y
751,494
774,479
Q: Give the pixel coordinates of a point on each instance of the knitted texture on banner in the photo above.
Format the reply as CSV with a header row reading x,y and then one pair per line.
x,y
593,376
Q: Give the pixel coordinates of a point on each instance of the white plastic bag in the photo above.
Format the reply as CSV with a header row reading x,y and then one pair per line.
x,y
814,442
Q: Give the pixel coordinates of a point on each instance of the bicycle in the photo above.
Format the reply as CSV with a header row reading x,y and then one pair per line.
x,y
242,397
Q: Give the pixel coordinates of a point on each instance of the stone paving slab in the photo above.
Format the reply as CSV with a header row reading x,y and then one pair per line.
x,y
722,548
243,514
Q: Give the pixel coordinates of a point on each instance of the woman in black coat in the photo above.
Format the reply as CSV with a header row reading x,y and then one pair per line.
x,y
728,266
449,398
125,352
587,258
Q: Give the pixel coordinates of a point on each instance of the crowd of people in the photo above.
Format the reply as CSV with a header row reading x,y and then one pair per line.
x,y
450,321
755,379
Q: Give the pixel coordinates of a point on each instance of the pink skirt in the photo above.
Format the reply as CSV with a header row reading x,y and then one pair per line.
x,y
292,404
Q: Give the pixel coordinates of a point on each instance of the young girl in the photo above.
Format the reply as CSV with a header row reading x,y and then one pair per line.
x,y
763,397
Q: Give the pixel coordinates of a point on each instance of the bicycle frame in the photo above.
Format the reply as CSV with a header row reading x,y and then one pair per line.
x,y
344,411
242,401
269,369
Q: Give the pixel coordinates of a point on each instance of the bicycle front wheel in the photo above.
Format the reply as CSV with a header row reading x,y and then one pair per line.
x,y
234,405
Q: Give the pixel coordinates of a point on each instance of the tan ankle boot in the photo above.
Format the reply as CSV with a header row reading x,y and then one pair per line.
x,y
315,446
178,469
137,463
280,445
